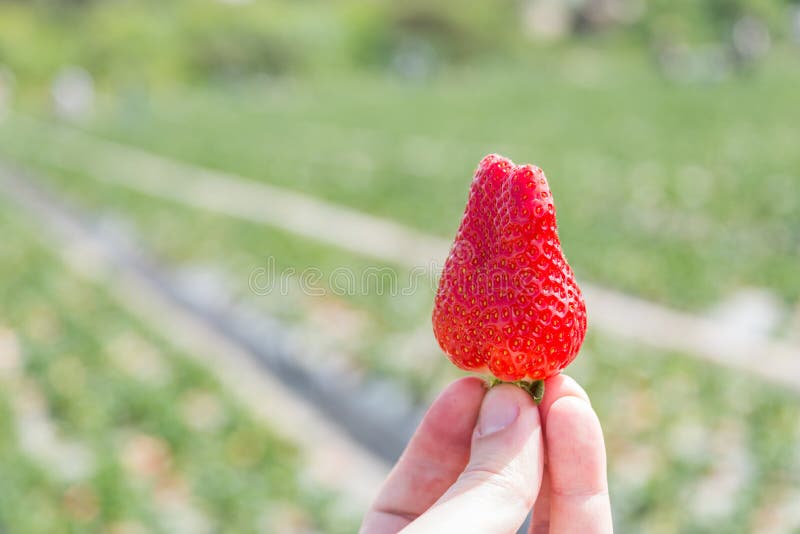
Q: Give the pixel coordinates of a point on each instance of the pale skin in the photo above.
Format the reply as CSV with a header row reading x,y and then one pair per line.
x,y
481,460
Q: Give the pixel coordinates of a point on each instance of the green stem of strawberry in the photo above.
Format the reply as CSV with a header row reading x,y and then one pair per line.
x,y
535,389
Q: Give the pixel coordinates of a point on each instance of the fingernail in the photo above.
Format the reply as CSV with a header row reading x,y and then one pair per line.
x,y
499,410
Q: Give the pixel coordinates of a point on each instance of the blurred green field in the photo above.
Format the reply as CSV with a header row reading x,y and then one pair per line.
x,y
677,193
680,194
165,448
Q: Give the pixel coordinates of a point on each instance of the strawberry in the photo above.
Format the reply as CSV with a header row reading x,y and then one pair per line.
x,y
507,302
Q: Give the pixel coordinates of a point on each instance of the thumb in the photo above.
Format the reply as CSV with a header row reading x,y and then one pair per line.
x,y
501,481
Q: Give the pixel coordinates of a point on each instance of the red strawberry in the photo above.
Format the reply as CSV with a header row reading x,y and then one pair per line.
x,y
508,303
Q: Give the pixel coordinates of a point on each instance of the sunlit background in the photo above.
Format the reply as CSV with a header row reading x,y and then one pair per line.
x,y
185,186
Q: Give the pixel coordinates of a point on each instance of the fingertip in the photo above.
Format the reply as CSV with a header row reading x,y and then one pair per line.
x,y
559,386
460,398
575,447
448,423
470,385
576,459
502,405
465,386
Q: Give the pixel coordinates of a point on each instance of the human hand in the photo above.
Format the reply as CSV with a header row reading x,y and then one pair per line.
x,y
480,461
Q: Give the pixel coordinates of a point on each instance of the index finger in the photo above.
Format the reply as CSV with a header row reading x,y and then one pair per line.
x,y
433,460
576,461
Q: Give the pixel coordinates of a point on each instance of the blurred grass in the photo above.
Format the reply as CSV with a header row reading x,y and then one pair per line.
x,y
188,238
113,385
677,193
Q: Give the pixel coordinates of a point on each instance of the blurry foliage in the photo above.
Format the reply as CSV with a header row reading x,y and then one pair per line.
x,y
709,20
380,31
156,44
145,43
228,472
